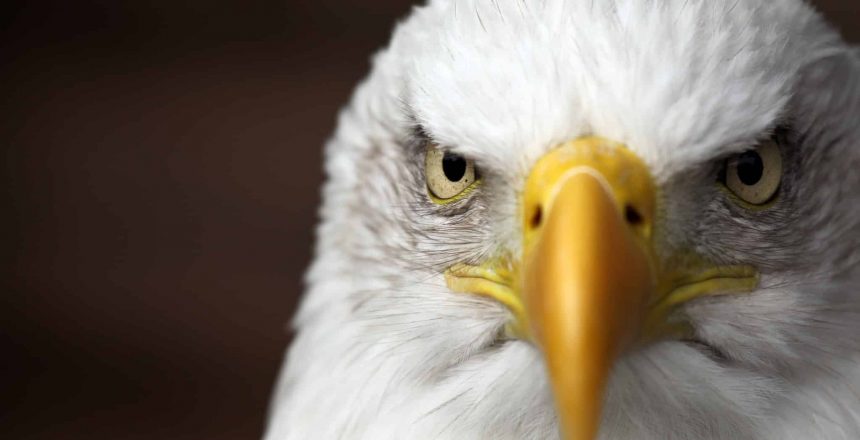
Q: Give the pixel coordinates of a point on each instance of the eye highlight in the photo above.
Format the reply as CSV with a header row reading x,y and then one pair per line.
x,y
754,176
449,176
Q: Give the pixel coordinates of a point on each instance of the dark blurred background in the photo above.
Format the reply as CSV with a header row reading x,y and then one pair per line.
x,y
162,163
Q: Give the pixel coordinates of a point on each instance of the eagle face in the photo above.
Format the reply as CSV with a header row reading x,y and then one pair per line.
x,y
616,219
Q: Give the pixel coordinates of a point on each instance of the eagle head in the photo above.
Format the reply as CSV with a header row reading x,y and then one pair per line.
x,y
615,219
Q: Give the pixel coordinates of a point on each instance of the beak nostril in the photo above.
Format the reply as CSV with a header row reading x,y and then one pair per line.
x,y
633,217
537,218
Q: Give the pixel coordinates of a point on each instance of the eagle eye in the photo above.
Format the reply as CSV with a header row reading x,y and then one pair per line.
x,y
754,176
449,175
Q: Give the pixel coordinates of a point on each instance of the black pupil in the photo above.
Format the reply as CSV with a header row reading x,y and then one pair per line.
x,y
750,168
454,167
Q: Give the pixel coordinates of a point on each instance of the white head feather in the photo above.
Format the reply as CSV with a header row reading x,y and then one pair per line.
x,y
384,350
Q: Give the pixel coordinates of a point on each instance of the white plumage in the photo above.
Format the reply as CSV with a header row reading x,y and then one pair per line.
x,y
384,349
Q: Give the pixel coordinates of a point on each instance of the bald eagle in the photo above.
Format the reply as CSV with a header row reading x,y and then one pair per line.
x,y
583,219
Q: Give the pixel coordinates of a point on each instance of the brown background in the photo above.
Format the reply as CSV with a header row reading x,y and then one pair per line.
x,y
162,164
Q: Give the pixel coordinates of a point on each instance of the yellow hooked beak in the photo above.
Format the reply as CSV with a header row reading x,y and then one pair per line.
x,y
587,268
588,284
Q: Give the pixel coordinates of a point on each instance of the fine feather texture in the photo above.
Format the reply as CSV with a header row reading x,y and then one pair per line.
x,y
384,350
